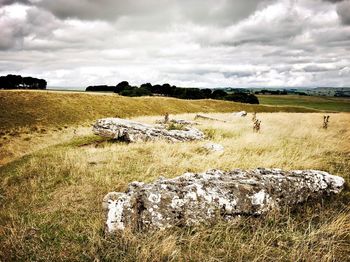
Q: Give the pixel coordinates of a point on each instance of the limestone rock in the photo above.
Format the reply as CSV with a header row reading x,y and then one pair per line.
x,y
214,147
241,114
207,197
130,131
183,122
177,121
208,118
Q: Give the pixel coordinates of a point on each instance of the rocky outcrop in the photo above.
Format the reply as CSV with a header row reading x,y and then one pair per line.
x,y
207,197
130,131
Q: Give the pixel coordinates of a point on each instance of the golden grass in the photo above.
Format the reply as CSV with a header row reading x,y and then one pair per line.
x,y
51,199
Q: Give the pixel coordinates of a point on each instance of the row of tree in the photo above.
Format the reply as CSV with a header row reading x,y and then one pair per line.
x,y
124,89
19,82
279,92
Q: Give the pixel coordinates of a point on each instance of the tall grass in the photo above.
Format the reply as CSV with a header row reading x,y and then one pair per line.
x,y
51,200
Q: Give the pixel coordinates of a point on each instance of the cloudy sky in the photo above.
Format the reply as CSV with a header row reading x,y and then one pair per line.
x,y
198,43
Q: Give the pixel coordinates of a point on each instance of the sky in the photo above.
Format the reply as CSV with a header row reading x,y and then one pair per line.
x,y
188,43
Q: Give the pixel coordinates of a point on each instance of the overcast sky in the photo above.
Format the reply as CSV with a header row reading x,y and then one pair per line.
x,y
197,43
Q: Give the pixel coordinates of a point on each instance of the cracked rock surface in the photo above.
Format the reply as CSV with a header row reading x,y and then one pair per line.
x,y
131,131
196,198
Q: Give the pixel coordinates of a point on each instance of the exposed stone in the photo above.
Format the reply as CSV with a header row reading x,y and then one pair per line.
x,y
209,118
178,121
241,113
214,147
207,197
130,131
183,122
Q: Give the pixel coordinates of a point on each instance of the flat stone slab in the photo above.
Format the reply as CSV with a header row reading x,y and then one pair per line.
x,y
131,131
208,197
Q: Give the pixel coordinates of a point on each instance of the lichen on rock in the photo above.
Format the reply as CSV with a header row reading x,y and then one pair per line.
x,y
196,198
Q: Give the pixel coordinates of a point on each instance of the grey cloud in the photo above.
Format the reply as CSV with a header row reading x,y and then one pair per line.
x,y
216,43
315,68
10,2
36,23
209,11
333,1
343,10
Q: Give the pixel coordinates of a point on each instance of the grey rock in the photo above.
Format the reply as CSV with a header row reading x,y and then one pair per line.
x,y
241,114
183,122
177,121
192,199
214,147
209,118
131,131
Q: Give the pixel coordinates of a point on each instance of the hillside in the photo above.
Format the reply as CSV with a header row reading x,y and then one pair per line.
x,y
43,109
315,102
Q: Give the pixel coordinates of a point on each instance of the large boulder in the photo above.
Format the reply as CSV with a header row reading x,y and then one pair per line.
x,y
131,131
207,197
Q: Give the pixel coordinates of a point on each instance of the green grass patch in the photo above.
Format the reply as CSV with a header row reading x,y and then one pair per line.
x,y
313,102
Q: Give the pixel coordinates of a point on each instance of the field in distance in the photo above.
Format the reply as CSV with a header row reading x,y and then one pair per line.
x,y
328,103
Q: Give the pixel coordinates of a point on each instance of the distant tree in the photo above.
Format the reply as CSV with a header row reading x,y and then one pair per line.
x,y
218,94
242,98
124,85
147,86
180,93
17,82
4,83
207,92
168,90
101,88
194,93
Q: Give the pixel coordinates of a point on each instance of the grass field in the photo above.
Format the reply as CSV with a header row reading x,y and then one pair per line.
x,y
313,102
31,119
51,198
43,109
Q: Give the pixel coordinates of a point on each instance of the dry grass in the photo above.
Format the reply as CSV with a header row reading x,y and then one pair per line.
x,y
51,200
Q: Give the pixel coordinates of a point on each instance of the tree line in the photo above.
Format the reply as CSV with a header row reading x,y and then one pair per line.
x,y
124,89
19,82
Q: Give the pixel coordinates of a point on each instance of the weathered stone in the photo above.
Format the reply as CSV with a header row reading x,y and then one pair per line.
x,y
241,114
214,147
207,197
130,131
177,121
208,118
183,122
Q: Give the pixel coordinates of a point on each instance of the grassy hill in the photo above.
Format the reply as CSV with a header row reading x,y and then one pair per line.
x,y
36,109
315,102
